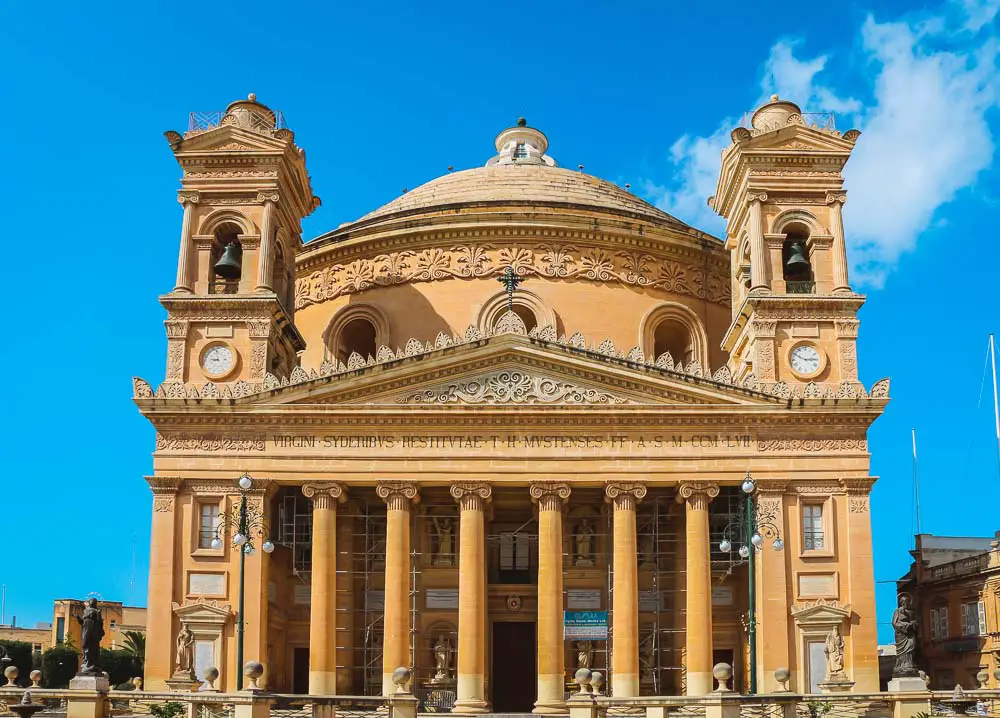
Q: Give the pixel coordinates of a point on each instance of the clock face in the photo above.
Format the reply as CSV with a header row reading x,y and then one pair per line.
x,y
218,360
805,359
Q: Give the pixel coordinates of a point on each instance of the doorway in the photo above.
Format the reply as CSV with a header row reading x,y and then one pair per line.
x,y
300,669
514,679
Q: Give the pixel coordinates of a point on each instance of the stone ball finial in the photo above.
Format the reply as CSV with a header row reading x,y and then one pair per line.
x,y
996,675
521,122
774,98
722,672
582,678
596,681
253,670
984,679
253,97
400,677
137,682
36,678
781,675
211,676
10,673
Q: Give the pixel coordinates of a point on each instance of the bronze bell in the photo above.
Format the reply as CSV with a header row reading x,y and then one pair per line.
x,y
797,261
230,264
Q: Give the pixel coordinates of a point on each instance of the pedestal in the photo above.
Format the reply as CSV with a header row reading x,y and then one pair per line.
x,y
181,683
89,683
88,702
836,686
907,685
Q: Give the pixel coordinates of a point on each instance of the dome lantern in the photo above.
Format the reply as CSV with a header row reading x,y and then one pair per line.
x,y
521,145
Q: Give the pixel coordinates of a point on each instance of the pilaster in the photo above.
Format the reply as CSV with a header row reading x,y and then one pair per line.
x,y
856,554
774,629
162,567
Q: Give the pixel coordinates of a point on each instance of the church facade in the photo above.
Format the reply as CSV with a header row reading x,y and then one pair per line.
x,y
514,422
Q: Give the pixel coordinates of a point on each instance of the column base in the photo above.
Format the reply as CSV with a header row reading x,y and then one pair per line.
x,y
322,683
550,708
470,706
699,684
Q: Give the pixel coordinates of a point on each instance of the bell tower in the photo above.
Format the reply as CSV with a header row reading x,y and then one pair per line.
x,y
781,190
244,191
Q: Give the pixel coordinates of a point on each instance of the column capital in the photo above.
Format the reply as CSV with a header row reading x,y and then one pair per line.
x,y
398,494
186,197
624,494
756,196
549,495
836,198
471,495
697,493
325,495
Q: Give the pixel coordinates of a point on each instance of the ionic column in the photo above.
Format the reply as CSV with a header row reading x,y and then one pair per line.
x,y
398,497
323,588
836,202
758,250
550,497
471,663
266,250
625,589
184,256
696,497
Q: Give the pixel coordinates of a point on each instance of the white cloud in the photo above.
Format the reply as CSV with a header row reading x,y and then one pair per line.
x,y
933,82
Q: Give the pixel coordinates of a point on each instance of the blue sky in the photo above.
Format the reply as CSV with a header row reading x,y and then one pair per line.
x,y
386,96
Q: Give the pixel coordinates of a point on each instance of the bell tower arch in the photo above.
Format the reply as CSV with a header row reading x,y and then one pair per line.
x,y
244,192
781,191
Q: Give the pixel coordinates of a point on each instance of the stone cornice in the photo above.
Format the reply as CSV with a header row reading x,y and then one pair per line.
x,y
164,485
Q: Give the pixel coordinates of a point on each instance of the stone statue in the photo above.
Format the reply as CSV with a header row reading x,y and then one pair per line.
x,y
584,654
92,631
184,655
444,528
904,622
834,650
584,544
442,657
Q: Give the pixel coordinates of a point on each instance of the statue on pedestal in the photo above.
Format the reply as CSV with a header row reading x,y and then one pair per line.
x,y
92,631
584,654
834,650
584,543
444,528
442,659
904,622
184,655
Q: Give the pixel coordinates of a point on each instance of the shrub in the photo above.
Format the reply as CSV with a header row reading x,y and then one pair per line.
x,y
59,664
170,709
120,665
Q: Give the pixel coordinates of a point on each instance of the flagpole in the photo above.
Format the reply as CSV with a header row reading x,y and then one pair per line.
x,y
996,405
916,479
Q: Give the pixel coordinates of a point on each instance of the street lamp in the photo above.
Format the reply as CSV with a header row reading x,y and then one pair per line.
x,y
748,531
249,523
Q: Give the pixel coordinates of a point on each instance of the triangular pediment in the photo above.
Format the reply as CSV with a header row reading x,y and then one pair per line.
x,y
512,370
234,139
821,613
802,137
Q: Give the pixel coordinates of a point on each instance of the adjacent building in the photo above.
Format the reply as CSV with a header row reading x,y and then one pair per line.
x,y
499,427
955,585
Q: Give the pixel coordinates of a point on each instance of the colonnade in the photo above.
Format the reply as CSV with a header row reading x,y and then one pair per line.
x,y
551,499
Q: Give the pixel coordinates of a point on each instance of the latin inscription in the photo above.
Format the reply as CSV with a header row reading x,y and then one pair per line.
x,y
503,442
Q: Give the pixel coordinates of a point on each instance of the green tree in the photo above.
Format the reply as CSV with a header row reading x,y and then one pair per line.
x,y
59,664
119,664
134,644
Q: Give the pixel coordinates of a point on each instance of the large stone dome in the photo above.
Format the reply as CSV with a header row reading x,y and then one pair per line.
x,y
521,184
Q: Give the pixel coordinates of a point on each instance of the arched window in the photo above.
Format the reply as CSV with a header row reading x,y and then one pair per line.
x,y
673,327
225,278
526,305
795,265
360,328
673,336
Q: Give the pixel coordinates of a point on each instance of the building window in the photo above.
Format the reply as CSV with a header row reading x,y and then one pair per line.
x,y
973,619
520,151
812,527
357,336
60,629
208,525
939,623
674,337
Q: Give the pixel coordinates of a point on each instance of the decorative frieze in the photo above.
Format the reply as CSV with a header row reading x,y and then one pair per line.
x,y
512,387
813,445
545,260
210,443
